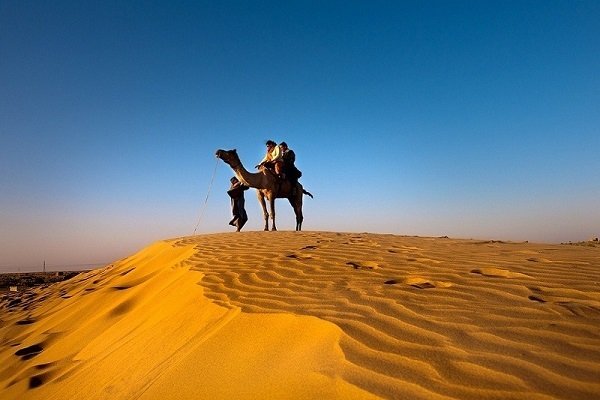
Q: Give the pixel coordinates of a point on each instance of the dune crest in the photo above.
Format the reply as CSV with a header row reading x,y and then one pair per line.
x,y
313,315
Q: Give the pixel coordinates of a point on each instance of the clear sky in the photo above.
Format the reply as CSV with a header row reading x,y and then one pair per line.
x,y
473,119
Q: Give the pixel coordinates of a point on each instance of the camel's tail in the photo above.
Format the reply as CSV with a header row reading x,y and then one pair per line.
x,y
308,193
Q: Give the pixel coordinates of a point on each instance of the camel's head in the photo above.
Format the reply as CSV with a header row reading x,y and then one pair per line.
x,y
229,156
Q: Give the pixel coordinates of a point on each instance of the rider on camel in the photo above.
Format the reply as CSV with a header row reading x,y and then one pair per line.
x,y
273,158
289,168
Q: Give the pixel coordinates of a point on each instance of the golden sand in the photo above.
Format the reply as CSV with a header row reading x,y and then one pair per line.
x,y
313,315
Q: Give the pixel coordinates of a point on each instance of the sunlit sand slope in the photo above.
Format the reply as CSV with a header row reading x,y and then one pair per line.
x,y
311,315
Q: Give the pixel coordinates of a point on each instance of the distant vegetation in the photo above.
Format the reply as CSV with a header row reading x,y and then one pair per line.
x,y
594,242
30,279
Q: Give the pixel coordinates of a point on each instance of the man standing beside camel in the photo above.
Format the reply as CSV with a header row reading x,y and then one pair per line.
x,y
236,192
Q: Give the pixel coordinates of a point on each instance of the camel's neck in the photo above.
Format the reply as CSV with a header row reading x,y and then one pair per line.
x,y
252,180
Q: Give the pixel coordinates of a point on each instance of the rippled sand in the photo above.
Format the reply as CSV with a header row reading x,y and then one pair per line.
x,y
288,315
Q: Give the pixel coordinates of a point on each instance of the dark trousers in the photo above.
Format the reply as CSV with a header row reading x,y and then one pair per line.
x,y
239,213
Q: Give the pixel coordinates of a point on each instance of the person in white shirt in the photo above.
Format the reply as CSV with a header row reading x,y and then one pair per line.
x,y
273,158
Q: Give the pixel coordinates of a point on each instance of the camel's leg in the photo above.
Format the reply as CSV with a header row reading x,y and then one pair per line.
x,y
261,200
296,203
272,204
299,219
292,201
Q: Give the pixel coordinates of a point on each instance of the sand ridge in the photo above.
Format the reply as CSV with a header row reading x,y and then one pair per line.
x,y
314,315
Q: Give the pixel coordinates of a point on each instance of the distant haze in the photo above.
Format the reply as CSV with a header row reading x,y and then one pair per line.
x,y
460,119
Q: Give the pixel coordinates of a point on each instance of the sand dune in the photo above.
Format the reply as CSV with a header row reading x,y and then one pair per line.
x,y
313,315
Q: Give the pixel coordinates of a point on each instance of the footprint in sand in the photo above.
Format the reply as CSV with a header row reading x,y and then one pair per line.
x,y
36,381
537,260
498,273
13,303
537,294
537,299
420,283
122,287
27,321
297,257
363,265
581,310
126,272
44,366
29,352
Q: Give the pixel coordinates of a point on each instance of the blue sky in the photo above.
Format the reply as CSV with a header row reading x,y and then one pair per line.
x,y
472,119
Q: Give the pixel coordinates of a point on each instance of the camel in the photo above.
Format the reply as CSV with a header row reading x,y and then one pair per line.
x,y
267,186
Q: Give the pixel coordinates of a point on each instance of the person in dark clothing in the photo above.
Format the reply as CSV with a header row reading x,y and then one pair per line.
x,y
236,192
289,168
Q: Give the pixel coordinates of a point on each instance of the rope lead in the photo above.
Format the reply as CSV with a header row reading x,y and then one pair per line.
x,y
207,194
